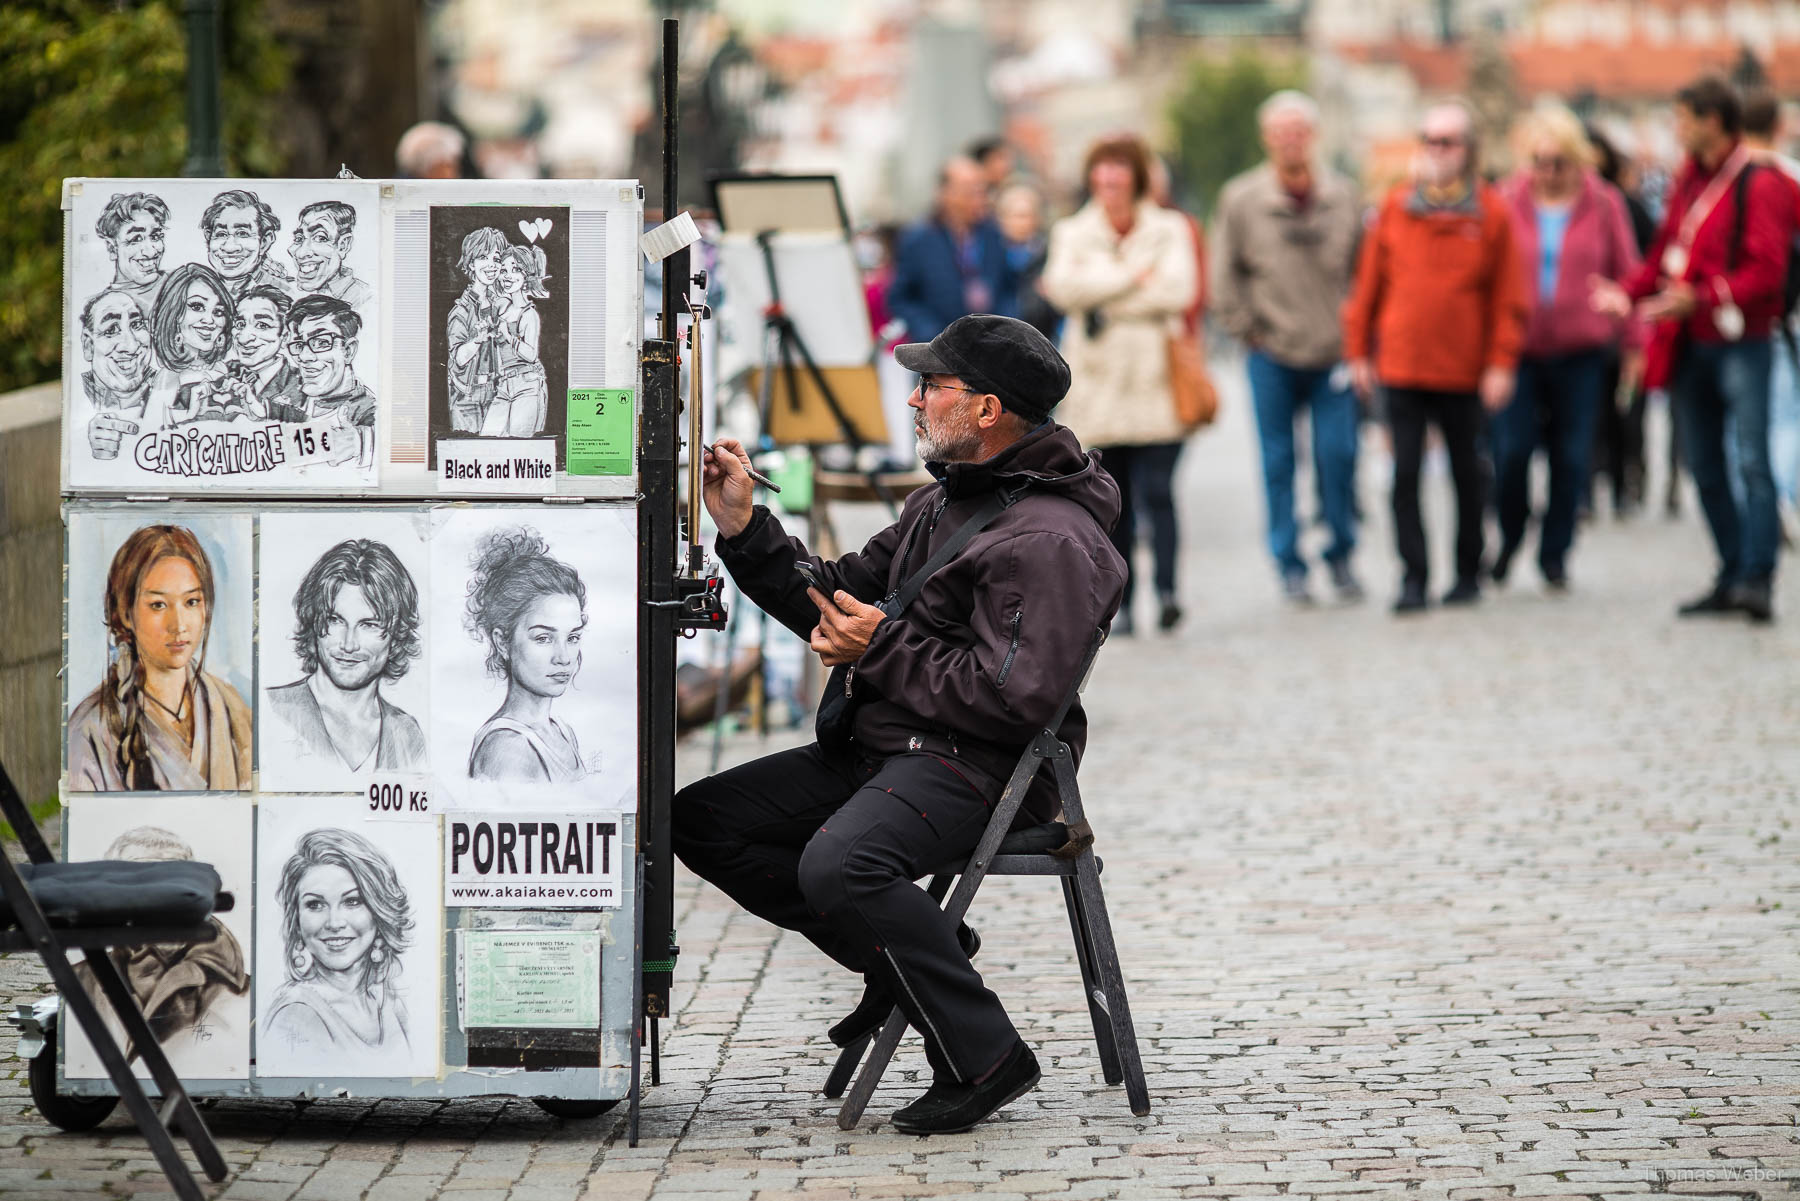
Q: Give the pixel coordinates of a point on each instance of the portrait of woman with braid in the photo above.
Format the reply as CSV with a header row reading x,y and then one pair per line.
x,y
159,721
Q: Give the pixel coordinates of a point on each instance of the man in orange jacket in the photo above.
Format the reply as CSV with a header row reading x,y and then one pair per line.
x,y
1437,315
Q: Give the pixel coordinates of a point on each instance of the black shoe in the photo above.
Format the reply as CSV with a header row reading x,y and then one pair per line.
x,y
951,1109
1349,588
1293,587
1556,580
1722,599
1502,565
877,1002
1466,592
1756,598
1169,616
1412,599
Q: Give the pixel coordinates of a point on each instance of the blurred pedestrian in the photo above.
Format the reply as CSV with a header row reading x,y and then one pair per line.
x,y
1712,283
431,150
994,155
1439,302
1569,226
1619,443
1123,270
1762,132
953,263
1020,213
1284,251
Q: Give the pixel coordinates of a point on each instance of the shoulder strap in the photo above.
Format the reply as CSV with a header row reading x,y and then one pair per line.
x,y
1737,216
1001,500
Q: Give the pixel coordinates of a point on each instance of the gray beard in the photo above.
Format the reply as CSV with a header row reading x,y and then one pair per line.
x,y
952,448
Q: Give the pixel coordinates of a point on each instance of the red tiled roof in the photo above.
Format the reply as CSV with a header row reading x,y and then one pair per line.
x,y
1631,70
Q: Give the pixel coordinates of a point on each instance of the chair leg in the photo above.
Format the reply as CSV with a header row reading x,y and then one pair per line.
x,y
1112,981
131,1093
886,1043
1090,985
184,1115
845,1067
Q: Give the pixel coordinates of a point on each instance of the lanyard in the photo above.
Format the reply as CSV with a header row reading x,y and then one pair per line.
x,y
1675,257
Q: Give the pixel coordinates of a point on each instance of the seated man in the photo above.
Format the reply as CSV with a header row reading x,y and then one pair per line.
x,y
933,704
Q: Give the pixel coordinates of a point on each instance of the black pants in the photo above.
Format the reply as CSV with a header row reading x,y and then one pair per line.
x,y
1619,449
1459,419
1146,479
830,846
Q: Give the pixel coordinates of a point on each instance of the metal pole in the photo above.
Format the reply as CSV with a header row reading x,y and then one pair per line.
x,y
657,541
673,281
204,157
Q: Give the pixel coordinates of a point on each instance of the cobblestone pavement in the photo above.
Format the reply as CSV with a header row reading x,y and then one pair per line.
x,y
1495,903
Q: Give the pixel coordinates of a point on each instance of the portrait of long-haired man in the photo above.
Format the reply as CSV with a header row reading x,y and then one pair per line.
x,y
356,627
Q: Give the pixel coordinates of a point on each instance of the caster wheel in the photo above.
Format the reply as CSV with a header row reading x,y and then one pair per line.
x,y
73,1114
573,1110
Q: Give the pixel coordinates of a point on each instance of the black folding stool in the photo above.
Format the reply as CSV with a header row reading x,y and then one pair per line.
x,y
32,931
1064,848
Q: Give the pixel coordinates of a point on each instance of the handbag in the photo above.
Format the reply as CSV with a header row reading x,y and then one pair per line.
x,y
837,707
1196,399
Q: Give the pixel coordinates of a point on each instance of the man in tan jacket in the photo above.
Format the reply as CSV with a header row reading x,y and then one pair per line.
x,y
1284,252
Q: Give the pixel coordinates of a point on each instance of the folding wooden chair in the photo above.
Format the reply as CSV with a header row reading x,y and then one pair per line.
x,y
47,907
1065,849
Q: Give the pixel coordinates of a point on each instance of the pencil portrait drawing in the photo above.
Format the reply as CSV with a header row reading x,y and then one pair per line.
x,y
529,610
345,922
356,627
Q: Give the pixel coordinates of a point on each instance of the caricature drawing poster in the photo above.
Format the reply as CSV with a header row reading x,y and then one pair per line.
x,y
533,656
196,997
341,657
499,323
349,941
159,688
222,334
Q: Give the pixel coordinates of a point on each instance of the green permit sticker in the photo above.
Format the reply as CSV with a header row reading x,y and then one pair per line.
x,y
600,431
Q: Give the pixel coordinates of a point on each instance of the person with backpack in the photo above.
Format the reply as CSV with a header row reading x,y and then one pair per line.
x,y
1762,121
1712,286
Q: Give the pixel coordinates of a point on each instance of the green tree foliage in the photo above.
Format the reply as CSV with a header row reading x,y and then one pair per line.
x,y
98,87
1214,119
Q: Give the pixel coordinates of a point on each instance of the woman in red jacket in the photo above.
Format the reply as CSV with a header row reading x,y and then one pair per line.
x,y
1569,226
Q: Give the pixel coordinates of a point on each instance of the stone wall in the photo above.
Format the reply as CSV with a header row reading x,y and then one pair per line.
x,y
31,534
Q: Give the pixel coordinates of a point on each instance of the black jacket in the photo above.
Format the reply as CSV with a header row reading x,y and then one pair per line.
x,y
980,661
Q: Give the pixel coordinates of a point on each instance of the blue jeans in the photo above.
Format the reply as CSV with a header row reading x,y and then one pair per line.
x,y
1784,423
1557,402
1280,392
1714,382
1146,478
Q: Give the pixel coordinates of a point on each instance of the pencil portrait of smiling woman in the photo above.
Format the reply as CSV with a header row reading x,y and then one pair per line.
x,y
530,611
159,721
345,922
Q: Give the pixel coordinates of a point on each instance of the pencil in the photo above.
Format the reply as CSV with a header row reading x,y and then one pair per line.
x,y
754,474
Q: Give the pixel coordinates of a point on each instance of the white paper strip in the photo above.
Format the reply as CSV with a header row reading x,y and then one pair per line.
x,y
669,237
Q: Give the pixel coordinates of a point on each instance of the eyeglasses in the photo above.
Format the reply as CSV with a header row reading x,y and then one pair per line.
x,y
1439,143
926,385
317,344
1553,162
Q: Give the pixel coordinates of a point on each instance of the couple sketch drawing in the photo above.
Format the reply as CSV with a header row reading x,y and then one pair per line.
x,y
497,383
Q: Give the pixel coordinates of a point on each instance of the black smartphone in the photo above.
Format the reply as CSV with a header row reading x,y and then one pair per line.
x,y
811,575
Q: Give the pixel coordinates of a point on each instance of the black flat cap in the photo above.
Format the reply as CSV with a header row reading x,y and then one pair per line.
x,y
995,354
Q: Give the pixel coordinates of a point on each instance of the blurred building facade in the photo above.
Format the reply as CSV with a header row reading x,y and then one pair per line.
x,y
880,91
